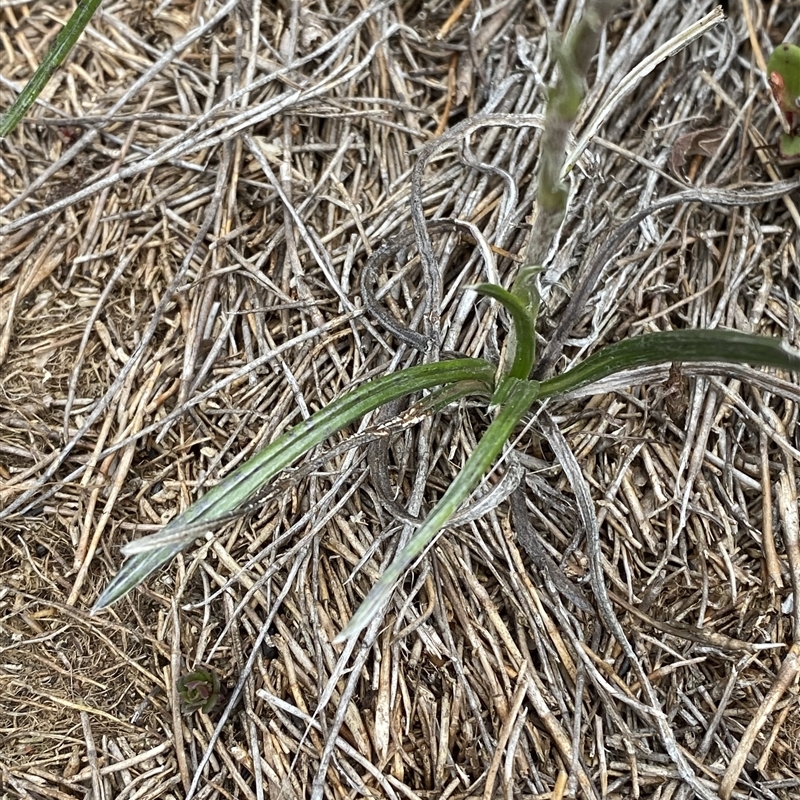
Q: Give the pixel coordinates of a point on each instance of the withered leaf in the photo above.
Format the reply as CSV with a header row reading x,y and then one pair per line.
x,y
695,143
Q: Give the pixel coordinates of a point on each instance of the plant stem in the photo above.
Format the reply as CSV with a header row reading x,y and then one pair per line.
x,y
563,103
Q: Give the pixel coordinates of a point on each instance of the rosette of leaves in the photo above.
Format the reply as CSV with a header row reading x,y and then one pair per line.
x,y
199,690
509,392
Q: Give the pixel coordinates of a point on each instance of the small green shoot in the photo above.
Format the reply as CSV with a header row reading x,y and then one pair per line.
x,y
783,70
199,690
508,390
511,391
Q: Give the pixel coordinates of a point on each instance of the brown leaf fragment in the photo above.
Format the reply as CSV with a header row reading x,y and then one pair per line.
x,y
695,143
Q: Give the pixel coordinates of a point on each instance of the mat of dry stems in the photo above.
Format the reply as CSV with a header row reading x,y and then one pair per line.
x,y
184,234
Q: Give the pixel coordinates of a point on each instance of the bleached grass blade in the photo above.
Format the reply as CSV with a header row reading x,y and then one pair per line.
x,y
642,69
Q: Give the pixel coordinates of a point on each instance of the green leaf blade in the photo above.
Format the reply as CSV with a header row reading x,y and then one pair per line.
x,y
520,398
230,494
690,346
783,72
523,319
64,42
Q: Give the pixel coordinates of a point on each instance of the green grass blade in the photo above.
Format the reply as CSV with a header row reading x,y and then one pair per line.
x,y
228,497
525,337
64,42
520,398
732,347
437,400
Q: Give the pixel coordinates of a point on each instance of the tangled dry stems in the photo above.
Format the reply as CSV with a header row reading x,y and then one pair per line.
x,y
183,235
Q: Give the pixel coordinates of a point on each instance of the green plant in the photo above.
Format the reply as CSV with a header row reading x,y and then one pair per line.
x,y
783,71
199,690
513,393
510,389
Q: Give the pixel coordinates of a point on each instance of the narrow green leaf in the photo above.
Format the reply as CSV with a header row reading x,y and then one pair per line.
x,y
228,496
55,56
520,398
732,347
525,336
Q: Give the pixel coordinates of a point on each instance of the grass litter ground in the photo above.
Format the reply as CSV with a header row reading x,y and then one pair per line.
x,y
184,230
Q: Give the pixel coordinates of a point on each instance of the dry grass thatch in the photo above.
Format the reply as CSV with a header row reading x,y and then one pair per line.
x,y
184,228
